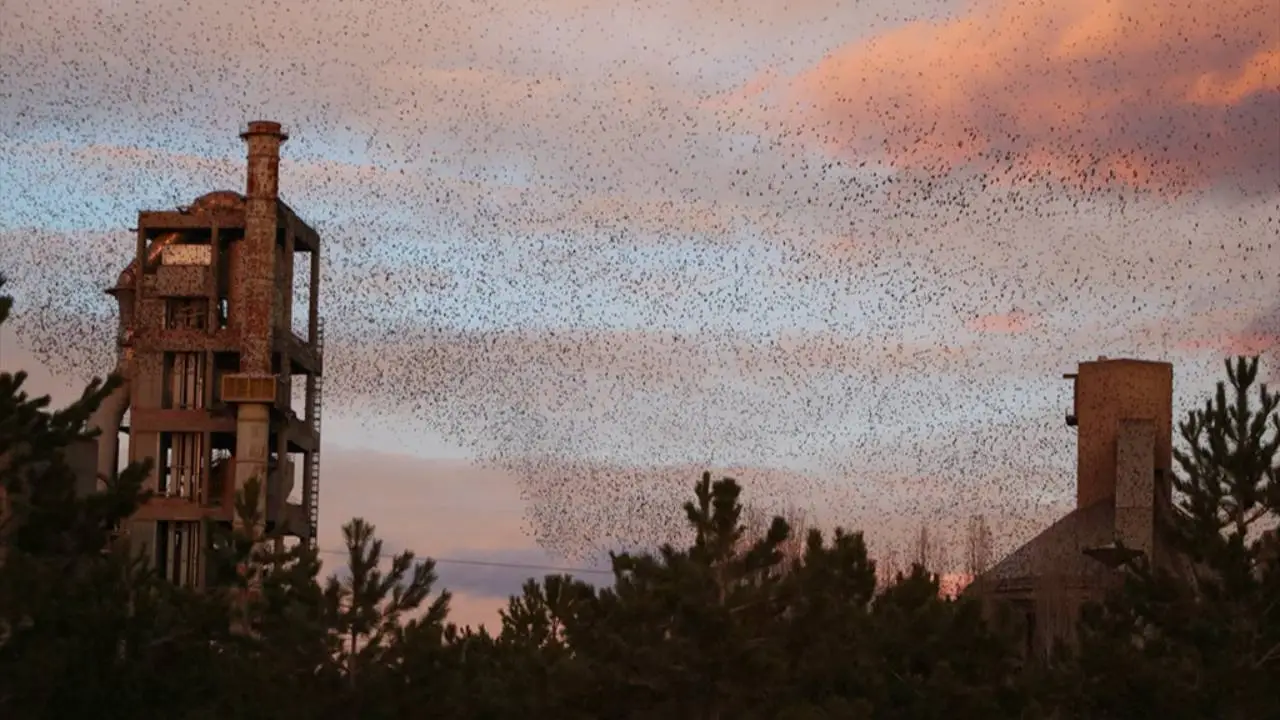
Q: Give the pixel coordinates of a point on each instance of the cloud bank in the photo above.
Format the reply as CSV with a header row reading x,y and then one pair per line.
x,y
1157,94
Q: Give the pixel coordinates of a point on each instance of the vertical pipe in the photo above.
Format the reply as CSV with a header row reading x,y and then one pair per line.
x,y
198,452
181,379
178,468
179,554
197,556
163,469
313,298
190,464
170,369
181,460
202,379
191,382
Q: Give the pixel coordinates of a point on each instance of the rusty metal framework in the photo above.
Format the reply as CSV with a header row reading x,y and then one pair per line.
x,y
207,348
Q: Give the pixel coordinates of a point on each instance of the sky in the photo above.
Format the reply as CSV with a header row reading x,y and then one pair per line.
x,y
576,252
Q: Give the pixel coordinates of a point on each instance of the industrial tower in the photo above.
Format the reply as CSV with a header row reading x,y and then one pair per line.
x,y
210,360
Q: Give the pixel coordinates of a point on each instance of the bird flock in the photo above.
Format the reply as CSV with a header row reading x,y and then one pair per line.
x,y
842,253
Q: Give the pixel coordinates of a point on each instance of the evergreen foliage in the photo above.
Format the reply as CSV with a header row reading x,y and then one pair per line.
x,y
1199,636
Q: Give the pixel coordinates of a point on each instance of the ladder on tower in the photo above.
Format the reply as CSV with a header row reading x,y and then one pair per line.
x,y
313,502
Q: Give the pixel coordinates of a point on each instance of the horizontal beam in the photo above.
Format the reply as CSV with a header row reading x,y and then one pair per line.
x,y
300,436
185,340
305,237
298,351
173,509
162,220
168,220
154,420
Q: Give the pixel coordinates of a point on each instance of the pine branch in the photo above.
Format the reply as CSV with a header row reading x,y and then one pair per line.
x,y
1268,656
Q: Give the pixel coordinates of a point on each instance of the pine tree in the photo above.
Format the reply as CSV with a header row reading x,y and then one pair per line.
x,y
825,633
275,622
85,628
1203,639
682,633
547,631
734,626
374,614
935,657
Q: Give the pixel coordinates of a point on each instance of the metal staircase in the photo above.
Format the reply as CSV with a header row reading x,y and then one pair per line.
x,y
313,502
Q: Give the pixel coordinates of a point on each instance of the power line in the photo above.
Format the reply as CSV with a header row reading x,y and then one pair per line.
x,y
494,564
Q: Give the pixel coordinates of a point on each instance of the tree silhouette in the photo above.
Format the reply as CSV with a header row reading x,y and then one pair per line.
x,y
1200,637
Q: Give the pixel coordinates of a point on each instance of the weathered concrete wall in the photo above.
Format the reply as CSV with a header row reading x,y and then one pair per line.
x,y
1135,485
182,281
1106,392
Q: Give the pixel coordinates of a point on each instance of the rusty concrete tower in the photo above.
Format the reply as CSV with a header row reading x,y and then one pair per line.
x,y
221,384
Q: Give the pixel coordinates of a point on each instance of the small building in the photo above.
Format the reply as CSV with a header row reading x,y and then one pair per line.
x,y
1123,415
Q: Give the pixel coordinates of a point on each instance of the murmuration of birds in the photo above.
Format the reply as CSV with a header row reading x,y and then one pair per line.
x,y
843,254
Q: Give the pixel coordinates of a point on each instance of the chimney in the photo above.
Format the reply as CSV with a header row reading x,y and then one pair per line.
x,y
258,253
264,139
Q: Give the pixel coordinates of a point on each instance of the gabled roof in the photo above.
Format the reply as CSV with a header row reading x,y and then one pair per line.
x,y
1059,549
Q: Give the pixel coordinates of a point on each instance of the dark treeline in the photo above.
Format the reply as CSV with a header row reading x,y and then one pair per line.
x,y
724,626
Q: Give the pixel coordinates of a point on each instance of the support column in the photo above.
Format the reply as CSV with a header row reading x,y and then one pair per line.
x,y
253,432
286,282
280,485
206,467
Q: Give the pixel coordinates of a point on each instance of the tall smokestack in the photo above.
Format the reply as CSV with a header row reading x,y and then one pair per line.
x,y
262,188
264,139
257,277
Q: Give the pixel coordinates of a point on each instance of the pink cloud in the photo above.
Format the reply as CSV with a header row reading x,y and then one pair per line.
x,y
1151,93
1014,322
1232,344
1233,330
